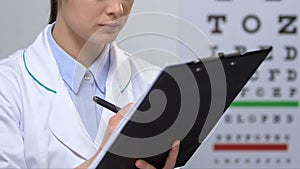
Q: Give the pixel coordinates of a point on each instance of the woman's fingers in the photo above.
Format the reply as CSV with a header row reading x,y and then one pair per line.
x,y
170,162
115,120
173,154
141,164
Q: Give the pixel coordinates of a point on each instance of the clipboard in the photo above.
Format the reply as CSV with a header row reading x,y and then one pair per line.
x,y
212,85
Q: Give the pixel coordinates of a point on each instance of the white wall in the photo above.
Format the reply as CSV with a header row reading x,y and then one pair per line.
x,y
166,6
21,21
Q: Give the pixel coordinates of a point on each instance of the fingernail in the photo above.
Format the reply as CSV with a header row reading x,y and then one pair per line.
x,y
139,164
176,143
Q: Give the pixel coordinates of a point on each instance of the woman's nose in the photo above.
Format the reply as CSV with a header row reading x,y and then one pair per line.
x,y
115,7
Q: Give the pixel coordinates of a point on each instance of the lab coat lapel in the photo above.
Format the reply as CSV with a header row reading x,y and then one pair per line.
x,y
67,127
64,121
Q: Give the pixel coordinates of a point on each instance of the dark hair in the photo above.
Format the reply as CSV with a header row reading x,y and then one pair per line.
x,y
53,11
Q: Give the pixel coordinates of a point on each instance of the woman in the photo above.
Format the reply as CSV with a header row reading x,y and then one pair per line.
x,y
46,120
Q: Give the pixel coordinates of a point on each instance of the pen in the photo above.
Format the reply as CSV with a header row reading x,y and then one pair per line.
x,y
106,104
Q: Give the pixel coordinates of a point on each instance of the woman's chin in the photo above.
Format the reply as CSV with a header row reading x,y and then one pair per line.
x,y
103,37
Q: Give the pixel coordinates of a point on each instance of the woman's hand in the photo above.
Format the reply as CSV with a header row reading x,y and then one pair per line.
x,y
170,162
114,121
112,124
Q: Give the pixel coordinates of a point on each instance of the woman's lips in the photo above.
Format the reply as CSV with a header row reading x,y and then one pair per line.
x,y
112,26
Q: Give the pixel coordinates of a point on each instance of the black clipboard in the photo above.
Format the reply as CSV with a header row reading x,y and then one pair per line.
x,y
222,89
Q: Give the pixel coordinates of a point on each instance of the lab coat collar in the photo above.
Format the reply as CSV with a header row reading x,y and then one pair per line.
x,y
47,71
41,64
120,75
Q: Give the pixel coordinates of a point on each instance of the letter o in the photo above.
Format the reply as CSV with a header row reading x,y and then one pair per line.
x,y
255,28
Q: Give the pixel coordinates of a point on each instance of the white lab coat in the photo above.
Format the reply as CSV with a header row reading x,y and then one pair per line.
x,y
39,124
